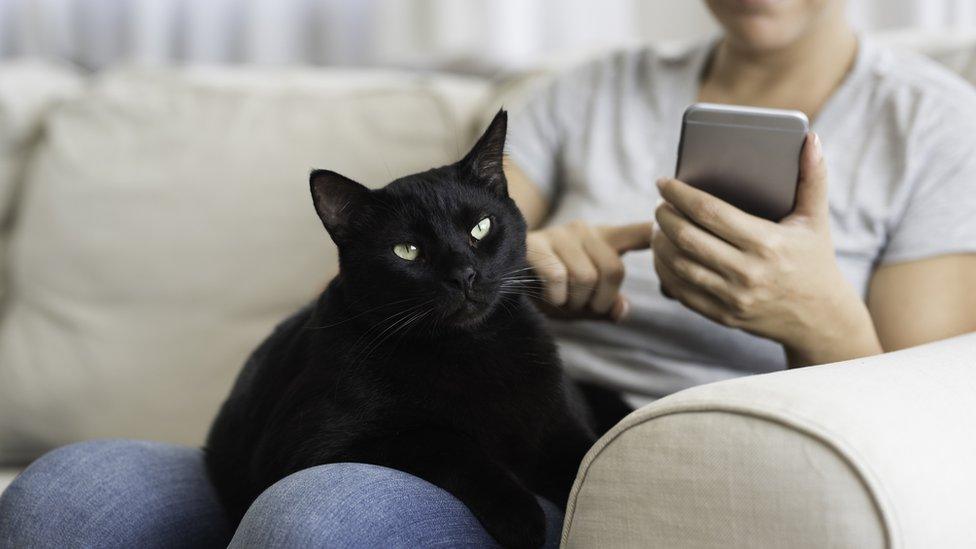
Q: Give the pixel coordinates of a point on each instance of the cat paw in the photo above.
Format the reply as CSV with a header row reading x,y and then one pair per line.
x,y
517,523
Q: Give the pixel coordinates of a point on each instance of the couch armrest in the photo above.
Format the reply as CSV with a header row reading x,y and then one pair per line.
x,y
874,452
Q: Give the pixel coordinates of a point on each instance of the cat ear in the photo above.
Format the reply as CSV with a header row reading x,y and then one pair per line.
x,y
337,200
484,162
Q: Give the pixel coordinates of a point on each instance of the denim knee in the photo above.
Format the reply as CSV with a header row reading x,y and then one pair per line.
x,y
347,505
113,493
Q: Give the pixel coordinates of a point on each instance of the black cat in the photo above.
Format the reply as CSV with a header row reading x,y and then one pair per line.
x,y
424,354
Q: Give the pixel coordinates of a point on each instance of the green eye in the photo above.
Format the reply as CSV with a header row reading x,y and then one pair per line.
x,y
481,229
406,251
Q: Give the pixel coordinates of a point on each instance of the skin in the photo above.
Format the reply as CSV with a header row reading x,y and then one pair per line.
x,y
780,280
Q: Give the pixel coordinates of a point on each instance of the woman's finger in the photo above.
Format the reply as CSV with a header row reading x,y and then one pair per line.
x,y
549,268
700,245
581,273
626,238
695,299
717,216
689,270
620,308
610,272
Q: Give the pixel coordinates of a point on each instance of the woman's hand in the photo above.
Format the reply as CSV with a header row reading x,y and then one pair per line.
x,y
776,280
581,269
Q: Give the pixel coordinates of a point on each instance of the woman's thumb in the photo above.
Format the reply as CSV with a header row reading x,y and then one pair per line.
x,y
811,190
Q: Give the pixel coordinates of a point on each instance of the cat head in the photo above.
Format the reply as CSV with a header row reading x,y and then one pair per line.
x,y
443,247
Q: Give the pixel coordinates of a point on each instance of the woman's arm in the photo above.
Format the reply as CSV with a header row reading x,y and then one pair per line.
x,y
526,195
921,301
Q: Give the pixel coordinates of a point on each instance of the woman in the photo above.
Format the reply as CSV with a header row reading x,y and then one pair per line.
x,y
894,226
877,256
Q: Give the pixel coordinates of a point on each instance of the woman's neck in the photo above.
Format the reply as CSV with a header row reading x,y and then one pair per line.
x,y
800,76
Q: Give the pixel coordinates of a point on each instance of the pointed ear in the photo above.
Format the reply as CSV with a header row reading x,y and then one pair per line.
x,y
484,162
337,199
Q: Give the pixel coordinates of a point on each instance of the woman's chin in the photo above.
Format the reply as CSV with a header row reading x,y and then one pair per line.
x,y
759,34
757,5
759,26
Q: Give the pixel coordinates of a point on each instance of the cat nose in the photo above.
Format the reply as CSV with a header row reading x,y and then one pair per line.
x,y
463,277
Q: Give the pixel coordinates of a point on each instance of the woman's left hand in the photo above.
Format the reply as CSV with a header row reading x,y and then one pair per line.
x,y
780,280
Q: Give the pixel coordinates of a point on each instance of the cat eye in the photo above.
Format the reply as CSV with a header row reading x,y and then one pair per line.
x,y
406,251
480,230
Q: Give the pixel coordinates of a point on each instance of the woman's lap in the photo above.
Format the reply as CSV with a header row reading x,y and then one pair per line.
x,y
359,505
130,493
113,493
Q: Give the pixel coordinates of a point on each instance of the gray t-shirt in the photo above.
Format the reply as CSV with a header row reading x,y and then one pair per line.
x,y
899,136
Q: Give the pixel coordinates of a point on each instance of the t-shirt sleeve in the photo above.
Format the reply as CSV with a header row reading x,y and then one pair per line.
x,y
539,126
939,216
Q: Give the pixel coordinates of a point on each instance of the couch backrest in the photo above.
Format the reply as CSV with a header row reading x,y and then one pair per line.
x,y
28,89
165,226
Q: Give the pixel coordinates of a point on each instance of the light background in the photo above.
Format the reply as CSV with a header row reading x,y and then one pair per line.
x,y
435,33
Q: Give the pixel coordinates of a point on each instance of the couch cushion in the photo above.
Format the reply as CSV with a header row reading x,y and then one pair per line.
x,y
166,226
6,477
28,89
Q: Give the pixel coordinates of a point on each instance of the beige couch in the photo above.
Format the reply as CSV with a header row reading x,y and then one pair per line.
x,y
156,224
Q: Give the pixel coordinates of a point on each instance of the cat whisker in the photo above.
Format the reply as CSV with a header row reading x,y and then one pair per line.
x,y
398,326
521,280
536,293
533,282
384,306
403,318
386,323
416,320
531,295
530,267
539,295
516,274
574,290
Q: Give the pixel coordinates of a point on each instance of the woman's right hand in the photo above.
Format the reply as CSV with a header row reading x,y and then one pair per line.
x,y
581,269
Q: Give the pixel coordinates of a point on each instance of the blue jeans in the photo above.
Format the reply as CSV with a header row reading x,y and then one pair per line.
x,y
123,493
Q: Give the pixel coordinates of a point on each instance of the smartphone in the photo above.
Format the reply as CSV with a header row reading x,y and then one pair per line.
x,y
747,156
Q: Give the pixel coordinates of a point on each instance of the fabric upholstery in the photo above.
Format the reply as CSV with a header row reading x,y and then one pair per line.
x,y
875,452
166,226
29,89
7,476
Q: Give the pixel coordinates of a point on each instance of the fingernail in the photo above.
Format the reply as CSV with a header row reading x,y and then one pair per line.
x,y
661,181
817,147
622,309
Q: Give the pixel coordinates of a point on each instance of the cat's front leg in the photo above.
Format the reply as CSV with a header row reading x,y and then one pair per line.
x,y
507,510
